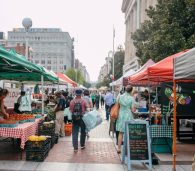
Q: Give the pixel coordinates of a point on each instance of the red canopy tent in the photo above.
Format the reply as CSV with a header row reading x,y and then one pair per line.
x,y
161,71
67,79
136,79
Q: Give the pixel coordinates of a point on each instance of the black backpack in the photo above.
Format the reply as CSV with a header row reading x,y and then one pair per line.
x,y
77,111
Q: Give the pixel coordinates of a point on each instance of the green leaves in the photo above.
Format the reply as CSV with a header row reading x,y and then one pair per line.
x,y
75,75
171,29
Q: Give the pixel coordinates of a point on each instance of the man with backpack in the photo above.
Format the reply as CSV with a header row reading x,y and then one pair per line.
x,y
78,107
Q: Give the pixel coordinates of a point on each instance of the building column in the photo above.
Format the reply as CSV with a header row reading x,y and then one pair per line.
x,y
138,14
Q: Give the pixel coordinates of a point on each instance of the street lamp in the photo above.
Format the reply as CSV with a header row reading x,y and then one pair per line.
x,y
27,24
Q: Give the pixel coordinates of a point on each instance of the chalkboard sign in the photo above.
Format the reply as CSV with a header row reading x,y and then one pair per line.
x,y
137,142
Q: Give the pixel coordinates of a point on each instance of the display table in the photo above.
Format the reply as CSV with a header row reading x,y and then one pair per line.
x,y
161,138
22,131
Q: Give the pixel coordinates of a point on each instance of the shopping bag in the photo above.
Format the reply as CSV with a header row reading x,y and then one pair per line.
x,y
114,111
25,104
68,113
91,119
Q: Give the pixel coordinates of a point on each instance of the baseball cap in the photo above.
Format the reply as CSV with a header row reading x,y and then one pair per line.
x,y
78,91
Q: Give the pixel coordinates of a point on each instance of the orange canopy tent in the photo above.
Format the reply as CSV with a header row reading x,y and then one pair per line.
x,y
136,79
66,79
161,71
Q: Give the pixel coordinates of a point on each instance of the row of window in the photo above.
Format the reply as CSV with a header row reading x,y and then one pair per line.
x,y
37,38
54,68
47,62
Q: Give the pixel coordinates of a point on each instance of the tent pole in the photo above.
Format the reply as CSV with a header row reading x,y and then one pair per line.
x,y
174,126
42,81
58,86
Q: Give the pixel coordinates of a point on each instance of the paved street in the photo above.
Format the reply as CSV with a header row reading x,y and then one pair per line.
x,y
100,154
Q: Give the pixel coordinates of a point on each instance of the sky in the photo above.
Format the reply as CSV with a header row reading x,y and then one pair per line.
x,y
90,22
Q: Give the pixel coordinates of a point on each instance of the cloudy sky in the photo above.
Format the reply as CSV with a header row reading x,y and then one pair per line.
x,y
90,22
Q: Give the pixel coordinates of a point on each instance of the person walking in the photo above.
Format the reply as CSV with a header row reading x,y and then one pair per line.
x,y
109,100
59,112
97,100
88,99
67,104
78,108
126,102
102,99
93,98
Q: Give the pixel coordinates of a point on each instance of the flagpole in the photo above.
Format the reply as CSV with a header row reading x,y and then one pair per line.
x,y
113,58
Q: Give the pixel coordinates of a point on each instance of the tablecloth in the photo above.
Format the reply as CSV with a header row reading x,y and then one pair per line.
x,y
22,131
165,131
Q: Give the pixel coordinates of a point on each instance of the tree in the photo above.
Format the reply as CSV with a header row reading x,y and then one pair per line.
x,y
171,29
118,62
105,83
75,75
86,84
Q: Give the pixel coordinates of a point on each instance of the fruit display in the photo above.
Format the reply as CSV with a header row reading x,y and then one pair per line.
x,y
46,128
22,117
36,138
37,148
9,123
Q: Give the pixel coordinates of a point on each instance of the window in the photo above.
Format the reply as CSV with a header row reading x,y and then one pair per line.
x,y
36,61
49,67
42,61
64,67
49,62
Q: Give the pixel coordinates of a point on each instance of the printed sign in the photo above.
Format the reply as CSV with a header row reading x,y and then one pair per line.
x,y
12,97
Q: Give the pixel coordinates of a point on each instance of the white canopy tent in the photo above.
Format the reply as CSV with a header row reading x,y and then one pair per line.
x,y
120,80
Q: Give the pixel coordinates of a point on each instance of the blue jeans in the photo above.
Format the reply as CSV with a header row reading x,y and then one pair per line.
x,y
75,134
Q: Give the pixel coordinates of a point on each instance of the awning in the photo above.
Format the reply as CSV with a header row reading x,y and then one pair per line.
x,y
162,71
184,66
66,78
16,67
136,79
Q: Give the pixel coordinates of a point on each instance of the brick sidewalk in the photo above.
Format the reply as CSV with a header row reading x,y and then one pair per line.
x,y
99,149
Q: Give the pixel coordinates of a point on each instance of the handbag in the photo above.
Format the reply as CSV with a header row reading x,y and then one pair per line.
x,y
114,111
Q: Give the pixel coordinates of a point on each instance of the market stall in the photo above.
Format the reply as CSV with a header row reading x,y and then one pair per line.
x,y
184,71
153,75
17,67
22,131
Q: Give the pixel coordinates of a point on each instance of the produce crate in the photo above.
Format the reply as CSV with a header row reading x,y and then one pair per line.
x,y
46,132
49,126
38,156
37,145
53,140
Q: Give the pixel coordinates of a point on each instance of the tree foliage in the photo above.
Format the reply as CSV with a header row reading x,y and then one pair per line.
x,y
171,29
105,83
75,75
118,62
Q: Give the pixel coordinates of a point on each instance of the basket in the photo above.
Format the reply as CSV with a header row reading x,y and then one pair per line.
x,y
43,127
68,129
38,145
38,156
